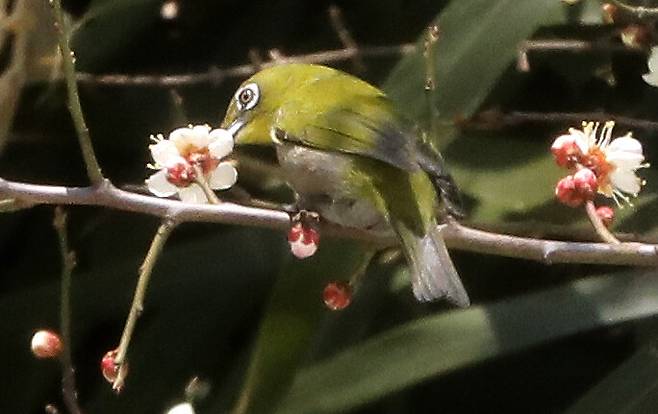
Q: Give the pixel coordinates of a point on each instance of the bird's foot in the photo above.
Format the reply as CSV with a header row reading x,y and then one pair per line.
x,y
305,217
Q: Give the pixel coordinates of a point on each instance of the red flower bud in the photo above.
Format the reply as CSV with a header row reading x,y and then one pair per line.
x,y
110,369
46,344
566,193
337,295
586,183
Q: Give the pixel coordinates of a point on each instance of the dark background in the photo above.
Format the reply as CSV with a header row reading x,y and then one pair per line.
x,y
210,290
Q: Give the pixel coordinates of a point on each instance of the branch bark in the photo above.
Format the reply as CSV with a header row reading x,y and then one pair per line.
x,y
457,236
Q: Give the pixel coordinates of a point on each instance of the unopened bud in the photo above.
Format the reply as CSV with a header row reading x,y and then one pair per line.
x,y
110,369
46,344
586,183
337,295
566,193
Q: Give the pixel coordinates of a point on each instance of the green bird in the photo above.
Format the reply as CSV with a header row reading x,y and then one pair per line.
x,y
350,157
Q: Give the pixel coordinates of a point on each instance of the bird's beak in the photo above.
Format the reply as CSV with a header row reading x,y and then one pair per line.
x,y
236,126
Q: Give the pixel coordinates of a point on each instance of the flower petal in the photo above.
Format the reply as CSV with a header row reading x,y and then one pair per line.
x,y
165,153
196,136
159,185
625,160
582,139
652,62
221,143
200,136
223,177
626,181
192,194
651,78
626,144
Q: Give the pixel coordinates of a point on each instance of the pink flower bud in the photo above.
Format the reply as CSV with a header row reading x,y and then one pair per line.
x,y
110,369
566,151
566,193
337,295
46,344
606,214
586,183
303,240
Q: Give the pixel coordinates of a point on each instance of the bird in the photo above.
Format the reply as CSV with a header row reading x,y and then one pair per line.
x,y
352,158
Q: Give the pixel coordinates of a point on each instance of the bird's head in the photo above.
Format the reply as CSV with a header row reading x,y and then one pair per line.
x,y
253,108
250,114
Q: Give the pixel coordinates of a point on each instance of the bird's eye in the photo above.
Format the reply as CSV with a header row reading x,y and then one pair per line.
x,y
247,96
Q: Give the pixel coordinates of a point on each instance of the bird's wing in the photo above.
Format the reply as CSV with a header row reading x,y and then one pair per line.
x,y
347,117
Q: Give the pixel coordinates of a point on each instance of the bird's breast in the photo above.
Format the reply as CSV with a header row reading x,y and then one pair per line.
x,y
319,180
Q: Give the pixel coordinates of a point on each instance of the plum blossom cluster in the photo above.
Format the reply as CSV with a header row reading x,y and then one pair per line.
x,y
190,158
599,164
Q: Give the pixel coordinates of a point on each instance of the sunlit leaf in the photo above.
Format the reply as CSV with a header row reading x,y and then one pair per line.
x,y
479,40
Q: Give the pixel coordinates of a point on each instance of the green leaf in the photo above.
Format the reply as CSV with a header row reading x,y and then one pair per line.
x,y
291,320
631,388
437,345
505,175
478,42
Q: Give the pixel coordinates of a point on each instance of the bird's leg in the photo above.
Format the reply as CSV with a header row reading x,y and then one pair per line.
x,y
309,219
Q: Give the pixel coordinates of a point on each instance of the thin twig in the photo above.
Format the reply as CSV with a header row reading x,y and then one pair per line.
x,y
431,37
216,75
541,230
145,271
345,37
640,11
201,181
69,390
565,45
495,119
456,235
598,225
68,64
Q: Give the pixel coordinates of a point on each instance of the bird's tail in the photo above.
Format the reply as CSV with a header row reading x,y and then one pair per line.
x,y
433,276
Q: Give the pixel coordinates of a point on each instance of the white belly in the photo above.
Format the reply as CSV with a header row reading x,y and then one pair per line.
x,y
318,178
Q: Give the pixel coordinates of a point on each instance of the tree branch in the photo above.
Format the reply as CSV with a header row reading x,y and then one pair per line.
x,y
492,119
457,236
145,271
68,65
217,75
640,11
69,390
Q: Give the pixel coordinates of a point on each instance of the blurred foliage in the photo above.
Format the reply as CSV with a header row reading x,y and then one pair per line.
x,y
228,305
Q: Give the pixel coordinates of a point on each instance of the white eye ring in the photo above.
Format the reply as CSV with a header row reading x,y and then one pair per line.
x,y
247,96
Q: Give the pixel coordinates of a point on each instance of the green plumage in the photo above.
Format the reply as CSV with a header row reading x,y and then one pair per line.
x,y
349,156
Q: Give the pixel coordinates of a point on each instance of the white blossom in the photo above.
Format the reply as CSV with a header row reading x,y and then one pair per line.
x,y
185,153
614,160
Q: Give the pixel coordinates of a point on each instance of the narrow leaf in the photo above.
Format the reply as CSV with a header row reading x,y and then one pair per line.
x,y
437,345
